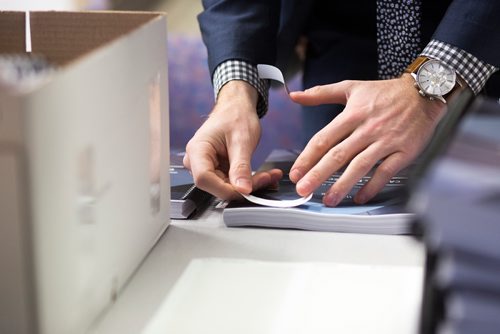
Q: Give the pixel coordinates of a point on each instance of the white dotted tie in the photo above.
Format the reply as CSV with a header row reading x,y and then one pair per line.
x,y
398,35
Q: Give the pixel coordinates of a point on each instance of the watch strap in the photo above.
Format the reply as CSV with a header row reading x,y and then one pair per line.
x,y
415,65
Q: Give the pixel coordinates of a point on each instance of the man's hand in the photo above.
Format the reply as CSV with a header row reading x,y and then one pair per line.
x,y
383,120
219,154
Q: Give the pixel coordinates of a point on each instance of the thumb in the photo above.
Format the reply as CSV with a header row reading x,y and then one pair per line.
x,y
240,152
335,93
240,169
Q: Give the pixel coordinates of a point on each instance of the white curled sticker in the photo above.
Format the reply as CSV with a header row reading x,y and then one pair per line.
x,y
272,73
278,203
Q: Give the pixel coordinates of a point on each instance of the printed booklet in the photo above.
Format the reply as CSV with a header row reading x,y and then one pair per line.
x,y
387,214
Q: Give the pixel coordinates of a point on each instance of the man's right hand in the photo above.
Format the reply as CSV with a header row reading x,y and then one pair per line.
x,y
219,154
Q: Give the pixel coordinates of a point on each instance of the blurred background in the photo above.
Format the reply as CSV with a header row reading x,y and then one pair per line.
x,y
190,88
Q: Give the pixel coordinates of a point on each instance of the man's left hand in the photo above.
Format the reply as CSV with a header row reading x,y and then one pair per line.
x,y
383,120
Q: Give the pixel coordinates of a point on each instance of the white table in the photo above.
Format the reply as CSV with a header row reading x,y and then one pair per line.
x,y
208,237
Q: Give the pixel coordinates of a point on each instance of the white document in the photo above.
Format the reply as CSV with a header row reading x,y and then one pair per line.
x,y
278,203
246,296
272,73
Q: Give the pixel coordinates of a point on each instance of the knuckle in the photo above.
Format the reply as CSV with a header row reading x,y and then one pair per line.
x,y
201,180
189,145
337,155
346,82
386,171
348,85
353,118
320,142
241,167
363,163
376,127
315,177
186,162
314,90
412,151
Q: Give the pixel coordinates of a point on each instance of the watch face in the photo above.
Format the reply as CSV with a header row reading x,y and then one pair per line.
x,y
435,79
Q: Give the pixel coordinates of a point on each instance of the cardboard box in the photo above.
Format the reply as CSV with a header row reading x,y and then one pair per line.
x,y
51,4
84,181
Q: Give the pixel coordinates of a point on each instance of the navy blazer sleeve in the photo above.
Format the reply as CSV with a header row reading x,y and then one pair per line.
x,y
235,29
473,26
248,29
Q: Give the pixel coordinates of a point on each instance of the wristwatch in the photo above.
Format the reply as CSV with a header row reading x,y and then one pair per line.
x,y
433,79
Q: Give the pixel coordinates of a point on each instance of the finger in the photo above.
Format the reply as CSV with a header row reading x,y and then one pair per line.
x,y
202,160
359,166
266,178
340,128
383,174
186,162
336,93
333,160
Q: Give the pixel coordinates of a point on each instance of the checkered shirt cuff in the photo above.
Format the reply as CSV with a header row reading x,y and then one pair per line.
x,y
242,70
474,71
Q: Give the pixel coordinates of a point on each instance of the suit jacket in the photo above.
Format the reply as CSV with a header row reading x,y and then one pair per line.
x,y
266,31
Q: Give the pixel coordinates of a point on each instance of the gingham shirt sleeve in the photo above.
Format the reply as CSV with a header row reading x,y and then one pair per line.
x,y
235,69
474,71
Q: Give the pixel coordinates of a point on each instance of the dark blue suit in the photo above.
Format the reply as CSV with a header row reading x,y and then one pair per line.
x,y
341,37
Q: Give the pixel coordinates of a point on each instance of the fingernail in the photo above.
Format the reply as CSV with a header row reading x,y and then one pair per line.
x,y
244,184
331,199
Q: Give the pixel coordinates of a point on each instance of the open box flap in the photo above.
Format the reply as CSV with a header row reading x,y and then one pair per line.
x,y
62,37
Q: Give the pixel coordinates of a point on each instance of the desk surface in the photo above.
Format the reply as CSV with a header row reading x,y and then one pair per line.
x,y
208,237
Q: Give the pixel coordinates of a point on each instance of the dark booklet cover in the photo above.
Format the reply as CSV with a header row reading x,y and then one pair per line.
x,y
185,198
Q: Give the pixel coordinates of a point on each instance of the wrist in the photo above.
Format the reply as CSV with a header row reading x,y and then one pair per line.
x,y
238,90
433,108
240,70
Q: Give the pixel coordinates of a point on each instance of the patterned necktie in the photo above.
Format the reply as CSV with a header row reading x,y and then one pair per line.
x,y
398,35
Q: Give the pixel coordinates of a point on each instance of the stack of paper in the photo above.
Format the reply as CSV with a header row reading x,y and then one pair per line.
x,y
460,209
